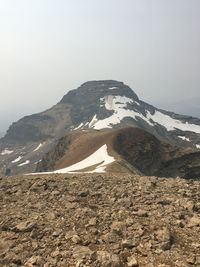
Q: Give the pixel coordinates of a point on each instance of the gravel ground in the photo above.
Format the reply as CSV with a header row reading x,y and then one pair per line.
x,y
99,220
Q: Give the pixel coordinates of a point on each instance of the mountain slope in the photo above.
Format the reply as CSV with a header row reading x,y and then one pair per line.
x,y
82,146
95,105
127,150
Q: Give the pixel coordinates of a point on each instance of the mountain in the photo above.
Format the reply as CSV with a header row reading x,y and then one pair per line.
x,y
103,106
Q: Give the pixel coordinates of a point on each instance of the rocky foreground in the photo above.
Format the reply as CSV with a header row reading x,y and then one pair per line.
x,y
99,220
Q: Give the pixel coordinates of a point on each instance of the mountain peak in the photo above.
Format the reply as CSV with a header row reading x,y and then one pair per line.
x,y
102,83
94,90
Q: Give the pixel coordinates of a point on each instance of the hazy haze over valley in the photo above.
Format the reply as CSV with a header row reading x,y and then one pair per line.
x,y
50,47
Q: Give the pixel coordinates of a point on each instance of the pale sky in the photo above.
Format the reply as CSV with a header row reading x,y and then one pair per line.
x,y
48,47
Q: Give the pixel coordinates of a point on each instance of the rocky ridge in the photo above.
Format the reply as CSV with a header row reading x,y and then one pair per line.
x,y
100,221
135,151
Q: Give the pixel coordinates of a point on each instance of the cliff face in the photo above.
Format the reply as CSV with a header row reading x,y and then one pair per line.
x,y
50,124
48,162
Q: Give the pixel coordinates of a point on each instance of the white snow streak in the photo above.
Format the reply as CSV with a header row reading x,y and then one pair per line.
x,y
184,138
24,163
17,159
198,146
6,152
38,147
112,88
78,127
93,121
137,103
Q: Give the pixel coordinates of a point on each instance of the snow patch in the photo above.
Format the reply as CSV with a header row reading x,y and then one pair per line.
x,y
17,159
112,88
38,147
198,146
36,162
137,103
78,127
99,158
24,163
172,124
184,138
81,125
93,121
6,152
119,105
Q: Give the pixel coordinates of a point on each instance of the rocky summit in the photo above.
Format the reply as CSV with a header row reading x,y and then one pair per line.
x,y
99,220
94,106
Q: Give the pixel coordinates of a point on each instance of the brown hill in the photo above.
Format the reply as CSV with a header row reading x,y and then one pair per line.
x,y
134,150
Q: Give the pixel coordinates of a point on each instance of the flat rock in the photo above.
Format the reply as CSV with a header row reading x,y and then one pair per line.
x,y
82,252
132,262
107,259
25,226
194,221
164,238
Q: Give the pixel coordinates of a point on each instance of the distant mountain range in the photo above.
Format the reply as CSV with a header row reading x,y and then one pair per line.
x,y
103,106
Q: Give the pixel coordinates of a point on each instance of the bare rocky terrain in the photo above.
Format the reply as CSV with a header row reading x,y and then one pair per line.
x,y
98,220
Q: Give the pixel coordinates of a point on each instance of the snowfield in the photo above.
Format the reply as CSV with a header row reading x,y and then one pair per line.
x,y
99,158
171,124
119,106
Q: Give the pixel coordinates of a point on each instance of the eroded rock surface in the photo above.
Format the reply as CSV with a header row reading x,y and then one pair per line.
x,y
99,220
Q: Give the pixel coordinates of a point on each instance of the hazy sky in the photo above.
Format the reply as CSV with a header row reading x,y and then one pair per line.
x,y
48,47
